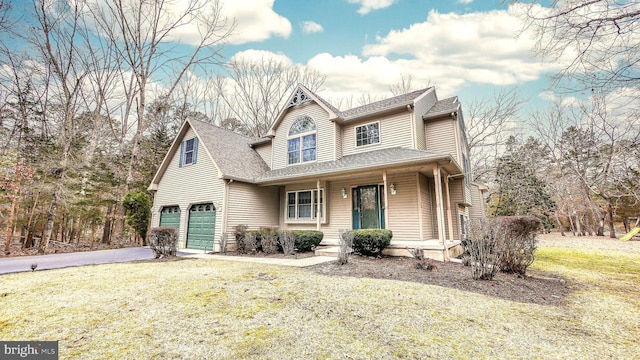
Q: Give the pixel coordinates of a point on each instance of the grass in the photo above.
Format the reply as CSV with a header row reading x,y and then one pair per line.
x,y
195,309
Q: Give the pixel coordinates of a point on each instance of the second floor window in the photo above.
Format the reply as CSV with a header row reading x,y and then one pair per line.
x,y
368,134
301,143
188,152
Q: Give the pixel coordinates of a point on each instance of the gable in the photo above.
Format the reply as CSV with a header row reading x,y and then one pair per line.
x,y
231,154
325,143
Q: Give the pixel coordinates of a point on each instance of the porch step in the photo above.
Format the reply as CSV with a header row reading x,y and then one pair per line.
x,y
327,251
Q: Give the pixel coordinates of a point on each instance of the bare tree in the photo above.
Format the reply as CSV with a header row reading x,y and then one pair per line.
x,y
598,38
489,124
255,90
142,36
56,38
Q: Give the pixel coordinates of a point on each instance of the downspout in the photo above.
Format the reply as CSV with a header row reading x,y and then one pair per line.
x,y
420,214
225,208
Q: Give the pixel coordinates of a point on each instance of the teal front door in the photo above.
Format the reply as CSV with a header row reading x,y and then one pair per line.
x,y
368,207
202,223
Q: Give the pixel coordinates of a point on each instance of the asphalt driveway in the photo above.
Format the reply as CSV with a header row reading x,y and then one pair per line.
x,y
56,261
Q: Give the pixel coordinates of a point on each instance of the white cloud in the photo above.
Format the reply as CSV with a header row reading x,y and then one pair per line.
x,y
309,27
466,2
366,6
253,55
255,20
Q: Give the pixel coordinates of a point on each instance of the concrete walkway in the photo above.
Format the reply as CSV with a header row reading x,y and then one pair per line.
x,y
304,262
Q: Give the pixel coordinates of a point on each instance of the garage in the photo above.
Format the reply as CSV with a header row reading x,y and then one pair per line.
x,y
170,216
201,230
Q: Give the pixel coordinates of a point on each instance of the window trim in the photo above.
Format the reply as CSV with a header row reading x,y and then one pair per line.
x,y
183,152
355,133
313,219
300,137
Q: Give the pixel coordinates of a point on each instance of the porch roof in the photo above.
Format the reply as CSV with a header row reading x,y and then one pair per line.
x,y
373,160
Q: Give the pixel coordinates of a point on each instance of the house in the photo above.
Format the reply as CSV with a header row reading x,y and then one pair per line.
x,y
400,164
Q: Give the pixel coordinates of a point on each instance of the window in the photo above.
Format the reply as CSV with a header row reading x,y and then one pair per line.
x,y
303,205
301,143
188,152
368,134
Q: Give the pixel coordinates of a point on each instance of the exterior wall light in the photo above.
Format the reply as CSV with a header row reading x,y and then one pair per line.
x,y
393,189
344,193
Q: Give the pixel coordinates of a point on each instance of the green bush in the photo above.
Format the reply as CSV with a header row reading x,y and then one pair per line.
x,y
371,242
163,241
307,240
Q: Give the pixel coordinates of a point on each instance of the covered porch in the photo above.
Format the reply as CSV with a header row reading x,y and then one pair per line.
x,y
417,196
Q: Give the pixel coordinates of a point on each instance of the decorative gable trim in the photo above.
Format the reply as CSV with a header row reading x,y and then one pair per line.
x,y
299,97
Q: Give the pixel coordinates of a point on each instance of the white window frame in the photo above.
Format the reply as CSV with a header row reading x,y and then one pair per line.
x,y
301,148
314,204
355,133
184,155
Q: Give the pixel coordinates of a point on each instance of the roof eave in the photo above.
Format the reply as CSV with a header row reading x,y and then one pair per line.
x,y
396,108
444,160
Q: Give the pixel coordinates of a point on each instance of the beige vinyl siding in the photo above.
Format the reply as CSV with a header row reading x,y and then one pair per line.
x,y
324,134
428,224
433,205
422,105
440,136
264,150
252,205
403,207
456,189
188,185
338,143
477,208
395,130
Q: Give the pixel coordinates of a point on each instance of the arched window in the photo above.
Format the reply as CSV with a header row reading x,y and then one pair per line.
x,y
301,143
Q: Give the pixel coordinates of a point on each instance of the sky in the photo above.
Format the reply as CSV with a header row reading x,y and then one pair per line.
x,y
465,48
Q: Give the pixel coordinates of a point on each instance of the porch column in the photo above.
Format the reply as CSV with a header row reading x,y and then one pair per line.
x,y
439,208
319,210
386,199
448,204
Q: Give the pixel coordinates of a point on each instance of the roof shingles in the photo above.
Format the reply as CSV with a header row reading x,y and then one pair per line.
x,y
231,152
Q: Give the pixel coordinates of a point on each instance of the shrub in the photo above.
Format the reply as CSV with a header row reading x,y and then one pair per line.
x,y
421,262
519,243
483,247
371,242
346,246
163,241
249,243
287,242
307,240
239,232
268,240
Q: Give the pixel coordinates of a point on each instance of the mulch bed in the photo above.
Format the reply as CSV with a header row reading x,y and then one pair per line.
x,y
537,288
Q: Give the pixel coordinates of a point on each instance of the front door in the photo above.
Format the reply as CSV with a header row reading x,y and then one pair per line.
x,y
368,207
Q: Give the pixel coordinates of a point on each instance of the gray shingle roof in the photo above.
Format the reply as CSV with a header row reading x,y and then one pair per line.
x,y
444,106
363,161
231,152
382,104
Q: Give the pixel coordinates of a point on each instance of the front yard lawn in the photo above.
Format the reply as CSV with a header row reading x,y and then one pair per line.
x,y
207,309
